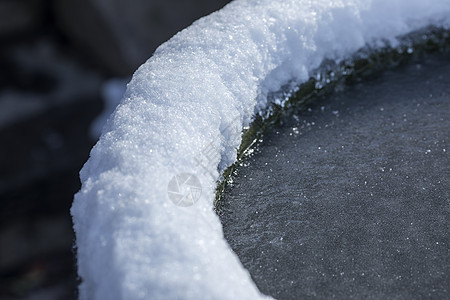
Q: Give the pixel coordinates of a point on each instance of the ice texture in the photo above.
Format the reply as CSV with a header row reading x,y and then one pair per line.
x,y
183,113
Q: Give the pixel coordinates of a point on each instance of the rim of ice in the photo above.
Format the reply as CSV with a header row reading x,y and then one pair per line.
x,y
144,219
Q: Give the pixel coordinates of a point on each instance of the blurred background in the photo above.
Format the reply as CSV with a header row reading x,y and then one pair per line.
x,y
62,64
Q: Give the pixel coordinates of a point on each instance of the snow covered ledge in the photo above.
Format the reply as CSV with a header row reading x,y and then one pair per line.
x,y
181,119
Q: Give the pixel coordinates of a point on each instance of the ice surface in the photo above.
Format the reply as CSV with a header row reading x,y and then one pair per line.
x,y
180,122
349,199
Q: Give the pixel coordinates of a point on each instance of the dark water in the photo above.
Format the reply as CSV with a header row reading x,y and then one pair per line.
x,y
351,198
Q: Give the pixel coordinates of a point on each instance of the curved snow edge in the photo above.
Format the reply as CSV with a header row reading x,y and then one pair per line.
x,y
183,113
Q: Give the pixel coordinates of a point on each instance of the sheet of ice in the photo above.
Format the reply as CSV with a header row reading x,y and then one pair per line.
x,y
182,114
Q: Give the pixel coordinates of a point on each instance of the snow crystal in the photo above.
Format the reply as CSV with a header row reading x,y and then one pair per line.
x,y
178,127
112,92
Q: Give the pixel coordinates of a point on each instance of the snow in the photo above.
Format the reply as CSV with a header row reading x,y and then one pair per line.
x,y
180,121
112,92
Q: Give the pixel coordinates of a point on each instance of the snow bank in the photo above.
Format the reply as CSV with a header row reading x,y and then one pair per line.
x,y
112,92
144,219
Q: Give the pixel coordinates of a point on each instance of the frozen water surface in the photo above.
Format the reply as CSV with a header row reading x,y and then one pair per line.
x,y
351,198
